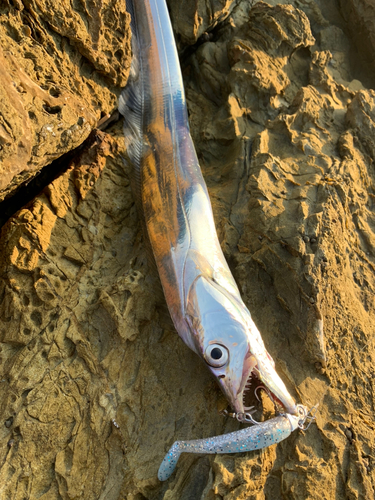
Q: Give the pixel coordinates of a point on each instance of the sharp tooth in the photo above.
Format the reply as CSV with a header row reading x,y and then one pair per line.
x,y
248,408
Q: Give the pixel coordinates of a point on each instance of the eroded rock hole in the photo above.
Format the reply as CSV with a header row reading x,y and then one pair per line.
x,y
52,110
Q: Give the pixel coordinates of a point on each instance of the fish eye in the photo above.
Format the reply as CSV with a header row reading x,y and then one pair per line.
x,y
216,355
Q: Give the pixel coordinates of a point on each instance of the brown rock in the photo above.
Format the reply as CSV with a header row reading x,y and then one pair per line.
x,y
360,18
283,127
60,71
192,19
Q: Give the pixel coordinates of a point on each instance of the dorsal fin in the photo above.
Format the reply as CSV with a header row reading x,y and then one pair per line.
x,y
131,106
131,101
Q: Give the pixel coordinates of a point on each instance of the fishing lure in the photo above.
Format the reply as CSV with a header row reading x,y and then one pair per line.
x,y
202,296
256,437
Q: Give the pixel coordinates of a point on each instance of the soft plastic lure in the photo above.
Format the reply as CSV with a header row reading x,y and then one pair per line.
x,y
252,438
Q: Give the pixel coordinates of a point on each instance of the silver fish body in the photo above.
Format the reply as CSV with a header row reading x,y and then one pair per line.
x,y
251,438
200,291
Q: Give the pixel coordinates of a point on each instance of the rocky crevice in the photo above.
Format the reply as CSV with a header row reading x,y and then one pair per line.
x,y
283,125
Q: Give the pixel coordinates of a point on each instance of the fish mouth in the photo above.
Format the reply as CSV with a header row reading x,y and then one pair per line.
x,y
267,380
250,394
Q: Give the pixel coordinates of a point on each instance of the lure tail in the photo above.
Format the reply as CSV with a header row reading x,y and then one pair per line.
x,y
251,438
169,463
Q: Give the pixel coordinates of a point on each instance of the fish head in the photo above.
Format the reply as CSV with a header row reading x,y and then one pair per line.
x,y
230,344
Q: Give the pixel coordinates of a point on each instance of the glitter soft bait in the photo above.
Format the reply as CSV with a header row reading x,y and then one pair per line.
x,y
252,438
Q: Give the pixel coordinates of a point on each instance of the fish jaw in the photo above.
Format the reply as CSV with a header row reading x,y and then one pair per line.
x,y
263,369
221,322
267,374
236,387
235,383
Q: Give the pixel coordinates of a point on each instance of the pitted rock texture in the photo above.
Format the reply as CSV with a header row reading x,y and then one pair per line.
x,y
285,146
61,70
95,387
81,342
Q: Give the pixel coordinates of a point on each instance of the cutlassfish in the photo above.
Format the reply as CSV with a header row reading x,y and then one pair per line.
x,y
202,297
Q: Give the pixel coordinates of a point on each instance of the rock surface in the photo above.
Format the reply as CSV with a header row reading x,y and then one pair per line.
x,y
61,70
192,19
360,18
283,121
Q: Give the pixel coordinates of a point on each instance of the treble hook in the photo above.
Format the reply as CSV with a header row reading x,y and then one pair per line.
x,y
310,415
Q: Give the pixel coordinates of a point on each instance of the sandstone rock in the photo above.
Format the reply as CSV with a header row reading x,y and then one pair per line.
x,y
360,18
95,388
61,71
192,19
